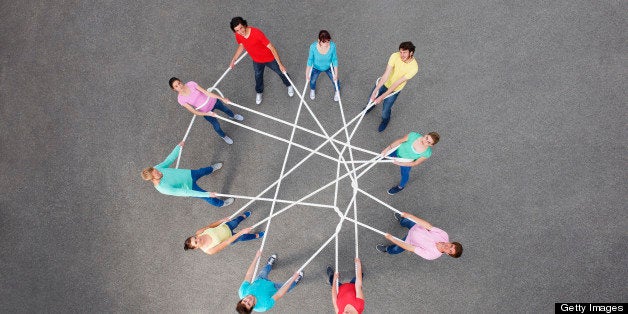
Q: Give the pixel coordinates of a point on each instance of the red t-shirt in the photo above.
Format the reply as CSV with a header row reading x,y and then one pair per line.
x,y
346,295
256,45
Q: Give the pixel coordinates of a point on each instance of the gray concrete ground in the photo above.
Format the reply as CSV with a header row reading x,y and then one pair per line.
x,y
530,174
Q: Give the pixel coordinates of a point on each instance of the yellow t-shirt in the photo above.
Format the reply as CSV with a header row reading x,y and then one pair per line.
x,y
218,234
400,68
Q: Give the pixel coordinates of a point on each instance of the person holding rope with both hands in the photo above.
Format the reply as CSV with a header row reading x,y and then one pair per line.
x,y
219,234
182,182
348,298
322,55
200,102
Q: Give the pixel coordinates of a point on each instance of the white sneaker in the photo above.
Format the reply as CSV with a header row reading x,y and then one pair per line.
x,y
237,117
290,91
312,94
337,96
216,166
258,98
227,202
227,140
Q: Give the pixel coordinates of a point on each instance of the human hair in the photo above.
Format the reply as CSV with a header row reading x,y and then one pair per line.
x,y
188,244
242,309
435,137
237,21
147,173
324,36
407,45
458,248
172,80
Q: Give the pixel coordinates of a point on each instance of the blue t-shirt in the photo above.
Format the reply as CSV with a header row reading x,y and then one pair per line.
x,y
319,61
263,290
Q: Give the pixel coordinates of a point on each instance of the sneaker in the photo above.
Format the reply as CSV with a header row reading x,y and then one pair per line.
x,y
216,166
290,91
260,235
330,271
258,98
381,248
237,117
312,94
299,277
247,215
272,259
337,96
227,140
398,217
394,190
383,125
227,202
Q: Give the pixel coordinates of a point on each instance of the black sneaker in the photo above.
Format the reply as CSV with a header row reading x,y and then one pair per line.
x,y
299,277
394,190
330,271
398,216
381,248
272,259
383,125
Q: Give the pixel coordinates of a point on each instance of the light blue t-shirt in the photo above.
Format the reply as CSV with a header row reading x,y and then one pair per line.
x,y
263,290
177,182
322,62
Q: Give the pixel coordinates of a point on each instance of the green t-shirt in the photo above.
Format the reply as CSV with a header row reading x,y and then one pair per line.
x,y
263,290
406,150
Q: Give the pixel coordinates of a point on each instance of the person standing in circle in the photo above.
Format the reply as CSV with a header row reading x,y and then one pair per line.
x,y
415,147
216,236
322,55
348,298
200,102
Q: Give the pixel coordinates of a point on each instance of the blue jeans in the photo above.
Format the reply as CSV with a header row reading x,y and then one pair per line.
x,y
405,172
234,224
395,249
199,173
264,275
259,74
214,122
314,76
386,103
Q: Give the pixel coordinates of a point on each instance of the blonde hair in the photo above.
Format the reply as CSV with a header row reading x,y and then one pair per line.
x,y
147,173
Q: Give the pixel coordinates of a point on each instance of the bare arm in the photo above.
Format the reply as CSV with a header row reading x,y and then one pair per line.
x,y
394,144
285,288
227,242
334,292
418,220
236,55
249,272
405,246
276,55
196,112
211,225
358,279
381,82
212,95
390,89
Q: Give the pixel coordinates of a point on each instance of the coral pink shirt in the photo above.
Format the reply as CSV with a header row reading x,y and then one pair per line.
x,y
346,295
196,99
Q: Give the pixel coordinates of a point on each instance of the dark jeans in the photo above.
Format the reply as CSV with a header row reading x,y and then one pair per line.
x,y
234,224
199,173
264,275
214,122
405,172
395,249
259,74
331,280
316,73
386,103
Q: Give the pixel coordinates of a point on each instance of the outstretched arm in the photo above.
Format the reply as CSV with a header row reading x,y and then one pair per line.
x,y
381,82
334,292
418,220
276,55
358,279
394,144
171,157
236,55
212,225
249,272
404,245
222,245
212,95
285,287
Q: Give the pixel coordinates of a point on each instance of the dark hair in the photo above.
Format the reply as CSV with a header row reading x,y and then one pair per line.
x,y
237,21
172,80
188,244
242,309
323,35
458,252
407,45
434,136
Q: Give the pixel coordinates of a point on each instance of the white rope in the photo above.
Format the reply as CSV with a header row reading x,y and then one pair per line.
x,y
276,200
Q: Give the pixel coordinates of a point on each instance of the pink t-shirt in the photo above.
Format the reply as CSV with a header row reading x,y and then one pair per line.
x,y
196,99
425,241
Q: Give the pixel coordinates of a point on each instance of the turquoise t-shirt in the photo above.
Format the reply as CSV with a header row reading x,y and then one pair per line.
x,y
177,182
263,290
406,150
322,62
